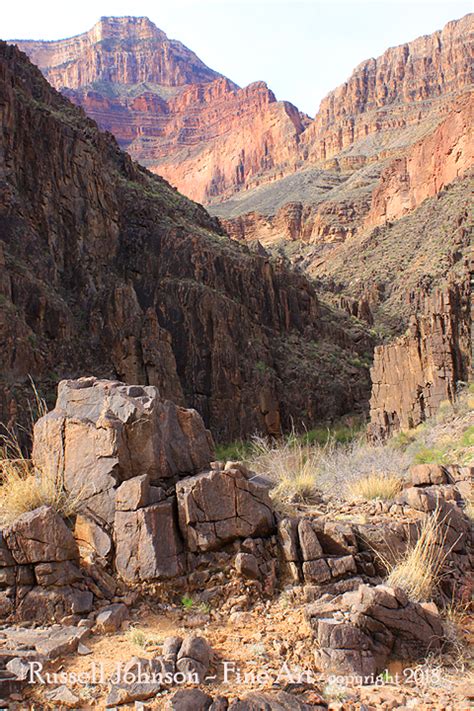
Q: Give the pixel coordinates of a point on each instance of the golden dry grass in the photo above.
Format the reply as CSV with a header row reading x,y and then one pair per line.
x,y
23,489
376,486
293,466
419,571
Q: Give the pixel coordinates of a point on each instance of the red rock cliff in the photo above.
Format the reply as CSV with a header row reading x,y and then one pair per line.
x,y
398,89
170,111
117,50
432,163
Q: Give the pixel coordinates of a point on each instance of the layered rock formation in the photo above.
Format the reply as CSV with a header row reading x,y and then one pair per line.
x,y
431,164
212,139
398,89
413,375
101,55
171,112
116,273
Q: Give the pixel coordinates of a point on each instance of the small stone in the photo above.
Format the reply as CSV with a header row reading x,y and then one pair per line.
x,y
19,668
63,695
246,565
111,618
83,650
189,700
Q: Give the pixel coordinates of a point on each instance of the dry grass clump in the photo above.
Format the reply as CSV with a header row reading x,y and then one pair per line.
x,y
419,571
23,489
292,465
376,486
302,470
145,639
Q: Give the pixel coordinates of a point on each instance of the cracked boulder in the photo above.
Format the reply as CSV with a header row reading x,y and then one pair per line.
x,y
47,581
104,432
40,536
221,506
358,632
194,657
147,543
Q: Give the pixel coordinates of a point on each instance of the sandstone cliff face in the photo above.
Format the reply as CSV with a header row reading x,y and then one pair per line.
x,y
101,55
432,163
395,134
108,270
413,375
396,90
171,112
213,140
224,140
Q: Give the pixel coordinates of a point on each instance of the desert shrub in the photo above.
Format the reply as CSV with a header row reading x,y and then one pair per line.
x,y
233,451
419,571
430,455
137,636
301,470
376,486
342,467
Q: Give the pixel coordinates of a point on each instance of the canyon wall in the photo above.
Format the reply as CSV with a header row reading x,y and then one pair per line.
x,y
398,89
107,270
430,165
171,112
213,140
414,374
117,50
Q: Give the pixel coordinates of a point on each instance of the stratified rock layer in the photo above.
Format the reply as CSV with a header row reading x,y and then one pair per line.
x,y
212,139
413,375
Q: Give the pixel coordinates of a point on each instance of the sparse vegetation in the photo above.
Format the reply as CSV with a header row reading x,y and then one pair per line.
x,y
377,486
141,638
23,489
419,571
187,602
325,461
137,637
192,605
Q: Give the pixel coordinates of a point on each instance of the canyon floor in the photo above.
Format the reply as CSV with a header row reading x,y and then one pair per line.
x,y
260,633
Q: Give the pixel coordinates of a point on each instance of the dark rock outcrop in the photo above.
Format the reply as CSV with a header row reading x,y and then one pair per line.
x,y
413,375
372,624
108,270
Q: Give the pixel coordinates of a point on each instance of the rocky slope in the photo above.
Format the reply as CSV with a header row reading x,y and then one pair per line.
x,y
107,269
427,167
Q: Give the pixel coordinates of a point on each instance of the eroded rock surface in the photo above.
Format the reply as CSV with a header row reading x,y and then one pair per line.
x,y
372,624
415,373
103,433
218,507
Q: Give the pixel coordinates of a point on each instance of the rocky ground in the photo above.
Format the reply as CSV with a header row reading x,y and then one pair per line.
x,y
269,637
162,609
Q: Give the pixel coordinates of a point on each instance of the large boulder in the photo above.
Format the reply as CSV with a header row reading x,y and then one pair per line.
x,y
358,632
103,432
40,536
147,543
220,506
